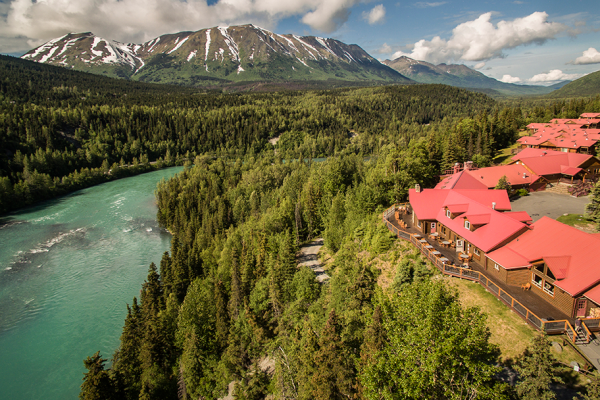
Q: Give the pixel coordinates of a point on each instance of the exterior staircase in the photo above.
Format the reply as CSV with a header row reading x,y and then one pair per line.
x,y
560,188
580,336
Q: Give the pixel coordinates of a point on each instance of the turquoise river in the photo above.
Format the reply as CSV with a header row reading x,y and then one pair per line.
x,y
67,270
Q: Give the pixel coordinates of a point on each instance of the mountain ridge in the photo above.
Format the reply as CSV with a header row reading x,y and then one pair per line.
x,y
459,75
232,54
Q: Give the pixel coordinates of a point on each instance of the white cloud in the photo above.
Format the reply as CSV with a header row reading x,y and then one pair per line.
x,y
384,49
376,15
510,79
479,65
35,22
480,40
554,75
424,4
590,56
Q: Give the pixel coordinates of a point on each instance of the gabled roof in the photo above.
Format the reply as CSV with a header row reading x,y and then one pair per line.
x,y
460,180
559,265
590,115
491,226
497,228
515,173
548,162
478,219
458,208
570,253
427,203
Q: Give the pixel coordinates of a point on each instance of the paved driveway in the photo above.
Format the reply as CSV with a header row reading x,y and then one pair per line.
x,y
552,205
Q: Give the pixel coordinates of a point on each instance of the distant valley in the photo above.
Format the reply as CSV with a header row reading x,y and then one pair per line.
x,y
462,76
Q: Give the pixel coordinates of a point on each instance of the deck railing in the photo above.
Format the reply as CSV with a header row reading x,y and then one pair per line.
x,y
550,327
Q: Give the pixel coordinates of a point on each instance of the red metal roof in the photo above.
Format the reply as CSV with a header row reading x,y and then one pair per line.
x,y
478,219
515,173
430,204
571,171
548,162
460,180
594,294
570,253
521,216
508,258
559,265
498,229
590,115
458,208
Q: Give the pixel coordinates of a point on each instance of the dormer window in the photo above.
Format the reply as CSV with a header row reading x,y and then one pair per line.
x,y
467,225
448,214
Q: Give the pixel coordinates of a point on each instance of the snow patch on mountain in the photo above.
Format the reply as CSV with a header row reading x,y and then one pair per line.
x,y
231,44
207,46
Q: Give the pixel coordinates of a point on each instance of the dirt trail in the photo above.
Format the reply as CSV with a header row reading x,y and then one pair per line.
x,y
309,256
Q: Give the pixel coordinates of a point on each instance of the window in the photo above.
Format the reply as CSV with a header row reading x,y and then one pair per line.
x,y
537,280
549,288
448,214
467,224
550,274
476,251
496,267
419,223
540,267
433,227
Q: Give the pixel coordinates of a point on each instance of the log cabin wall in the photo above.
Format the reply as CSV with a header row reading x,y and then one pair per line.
x,y
518,277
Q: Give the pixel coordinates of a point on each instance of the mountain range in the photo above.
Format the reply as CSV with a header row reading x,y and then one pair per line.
x,y
238,55
461,76
217,55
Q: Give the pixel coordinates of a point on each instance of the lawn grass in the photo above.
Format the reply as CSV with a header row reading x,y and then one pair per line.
x,y
504,155
509,331
574,219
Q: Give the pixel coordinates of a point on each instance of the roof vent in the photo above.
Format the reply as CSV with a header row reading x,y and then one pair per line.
x,y
493,205
524,175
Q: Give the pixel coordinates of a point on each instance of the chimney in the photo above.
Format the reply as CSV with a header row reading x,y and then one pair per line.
x,y
468,165
493,205
456,168
418,188
524,175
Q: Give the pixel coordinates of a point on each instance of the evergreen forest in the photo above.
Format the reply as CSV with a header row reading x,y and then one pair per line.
x,y
227,308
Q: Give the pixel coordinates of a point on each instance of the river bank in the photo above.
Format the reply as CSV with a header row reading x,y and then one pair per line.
x,y
68,268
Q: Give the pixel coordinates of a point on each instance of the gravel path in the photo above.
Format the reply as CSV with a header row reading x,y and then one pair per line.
x,y
309,257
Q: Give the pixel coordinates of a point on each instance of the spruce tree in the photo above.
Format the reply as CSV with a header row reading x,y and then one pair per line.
x,y
97,383
334,370
536,371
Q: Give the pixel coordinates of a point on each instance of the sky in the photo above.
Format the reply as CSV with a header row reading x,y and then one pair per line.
x,y
526,42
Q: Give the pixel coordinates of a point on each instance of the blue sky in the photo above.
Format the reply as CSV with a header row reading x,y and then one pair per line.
x,y
528,42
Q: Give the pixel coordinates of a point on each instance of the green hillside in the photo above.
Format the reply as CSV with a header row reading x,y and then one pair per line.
x,y
588,85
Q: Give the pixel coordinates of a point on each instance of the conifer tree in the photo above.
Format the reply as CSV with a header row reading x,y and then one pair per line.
x,y
503,184
334,371
593,208
97,383
536,371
